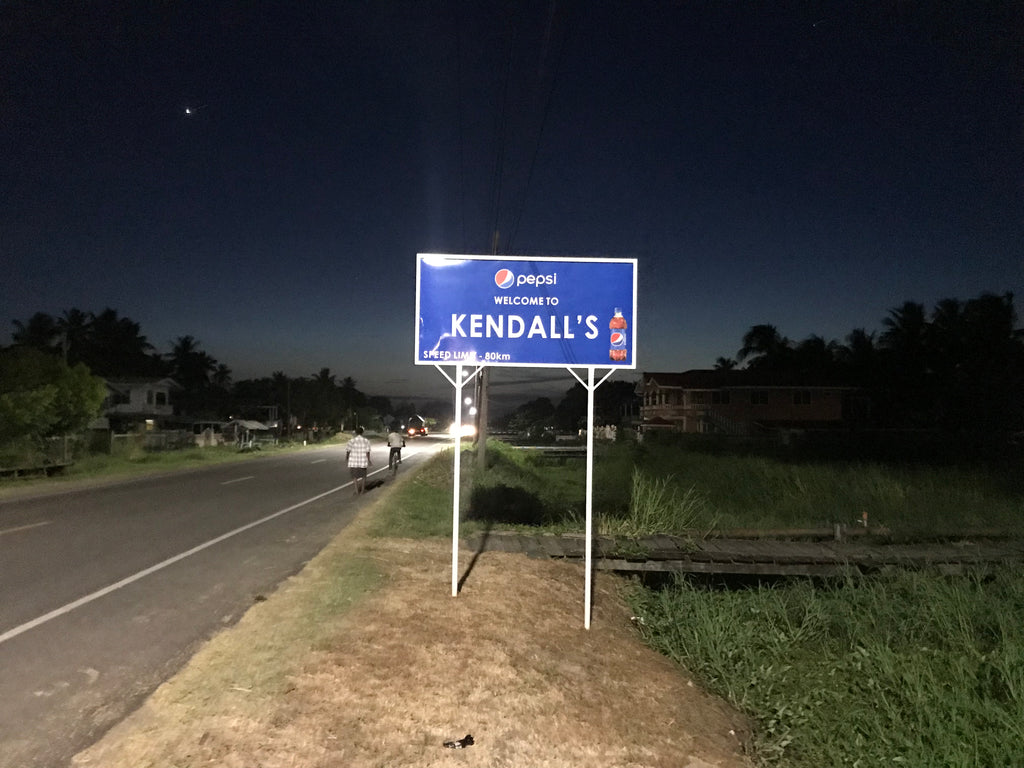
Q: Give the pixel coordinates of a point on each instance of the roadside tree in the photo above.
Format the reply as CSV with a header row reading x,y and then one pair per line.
x,y
42,396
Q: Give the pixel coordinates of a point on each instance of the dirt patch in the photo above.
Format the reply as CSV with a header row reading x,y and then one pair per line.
x,y
384,674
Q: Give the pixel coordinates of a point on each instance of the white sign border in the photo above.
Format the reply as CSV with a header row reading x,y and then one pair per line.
x,y
420,257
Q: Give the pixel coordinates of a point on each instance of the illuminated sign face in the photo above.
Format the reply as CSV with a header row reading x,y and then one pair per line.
x,y
512,311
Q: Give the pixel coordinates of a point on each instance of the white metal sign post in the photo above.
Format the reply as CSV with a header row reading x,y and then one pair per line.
x,y
528,312
590,387
461,379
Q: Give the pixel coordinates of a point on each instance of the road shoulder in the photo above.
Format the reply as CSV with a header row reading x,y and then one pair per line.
x,y
365,659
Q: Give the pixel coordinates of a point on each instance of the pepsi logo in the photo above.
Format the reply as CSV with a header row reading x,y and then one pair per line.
x,y
504,278
618,339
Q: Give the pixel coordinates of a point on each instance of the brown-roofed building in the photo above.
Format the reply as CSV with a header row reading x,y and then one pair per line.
x,y
742,402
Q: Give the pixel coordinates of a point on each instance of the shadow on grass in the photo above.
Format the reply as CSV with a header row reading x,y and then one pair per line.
x,y
508,504
500,504
481,548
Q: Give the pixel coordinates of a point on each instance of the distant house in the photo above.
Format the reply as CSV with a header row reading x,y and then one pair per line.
x,y
246,433
137,405
742,402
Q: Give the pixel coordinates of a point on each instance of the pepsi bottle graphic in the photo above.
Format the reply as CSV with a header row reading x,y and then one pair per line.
x,y
618,352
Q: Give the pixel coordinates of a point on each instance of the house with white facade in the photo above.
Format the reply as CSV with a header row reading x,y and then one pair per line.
x,y
137,405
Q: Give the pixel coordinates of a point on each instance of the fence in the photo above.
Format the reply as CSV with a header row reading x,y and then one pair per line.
x,y
165,440
30,457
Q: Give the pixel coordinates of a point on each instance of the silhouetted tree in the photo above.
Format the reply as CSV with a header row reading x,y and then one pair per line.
x,y
222,376
42,396
118,349
978,364
40,332
814,357
764,347
615,402
532,417
109,345
76,332
326,407
906,395
858,358
193,369
961,368
571,411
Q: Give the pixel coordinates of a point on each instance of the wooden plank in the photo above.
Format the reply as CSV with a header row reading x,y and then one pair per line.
x,y
550,545
501,541
751,556
660,547
575,544
689,566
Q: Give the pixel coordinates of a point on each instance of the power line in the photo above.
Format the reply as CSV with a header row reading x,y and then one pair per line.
x,y
462,139
499,166
544,119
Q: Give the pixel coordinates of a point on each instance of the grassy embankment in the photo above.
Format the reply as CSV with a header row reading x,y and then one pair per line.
x,y
903,669
911,669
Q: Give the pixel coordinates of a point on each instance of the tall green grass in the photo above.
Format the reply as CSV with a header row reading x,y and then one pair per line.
x,y
658,504
751,491
910,669
666,489
903,669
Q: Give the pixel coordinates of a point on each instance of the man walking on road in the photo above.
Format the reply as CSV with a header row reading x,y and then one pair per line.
x,y
357,453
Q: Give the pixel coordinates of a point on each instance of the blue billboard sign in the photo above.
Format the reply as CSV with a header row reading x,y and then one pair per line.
x,y
520,311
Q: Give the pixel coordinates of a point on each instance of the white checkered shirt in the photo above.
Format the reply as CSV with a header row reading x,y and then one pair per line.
x,y
358,451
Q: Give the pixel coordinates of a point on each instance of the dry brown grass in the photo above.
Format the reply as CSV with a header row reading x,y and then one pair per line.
x,y
365,659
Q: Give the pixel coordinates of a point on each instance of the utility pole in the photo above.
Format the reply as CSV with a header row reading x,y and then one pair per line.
x,y
481,401
481,417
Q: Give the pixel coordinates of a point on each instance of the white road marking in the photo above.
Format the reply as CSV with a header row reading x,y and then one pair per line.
x,y
58,612
24,527
318,461
238,479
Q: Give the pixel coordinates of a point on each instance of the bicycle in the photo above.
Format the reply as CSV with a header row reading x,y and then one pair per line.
x,y
394,459
396,442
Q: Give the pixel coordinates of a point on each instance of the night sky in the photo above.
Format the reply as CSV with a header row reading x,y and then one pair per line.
x,y
262,175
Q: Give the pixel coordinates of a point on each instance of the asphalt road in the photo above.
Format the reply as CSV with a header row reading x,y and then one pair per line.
x,y
107,592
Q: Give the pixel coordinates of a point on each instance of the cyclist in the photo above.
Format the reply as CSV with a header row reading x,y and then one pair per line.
x,y
396,442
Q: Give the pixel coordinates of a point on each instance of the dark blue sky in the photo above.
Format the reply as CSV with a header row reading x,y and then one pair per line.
x,y
805,164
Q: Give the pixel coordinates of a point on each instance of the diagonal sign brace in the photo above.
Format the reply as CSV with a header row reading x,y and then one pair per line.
x,y
568,312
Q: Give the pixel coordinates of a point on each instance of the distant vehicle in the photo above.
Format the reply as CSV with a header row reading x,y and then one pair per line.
x,y
416,431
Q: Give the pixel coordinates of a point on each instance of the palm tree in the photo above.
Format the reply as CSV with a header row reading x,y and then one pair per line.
x,y
989,324
222,376
904,345
764,347
118,348
814,355
988,378
858,357
906,331
76,335
183,347
283,396
40,332
324,378
945,336
193,369
725,364
190,363
326,399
